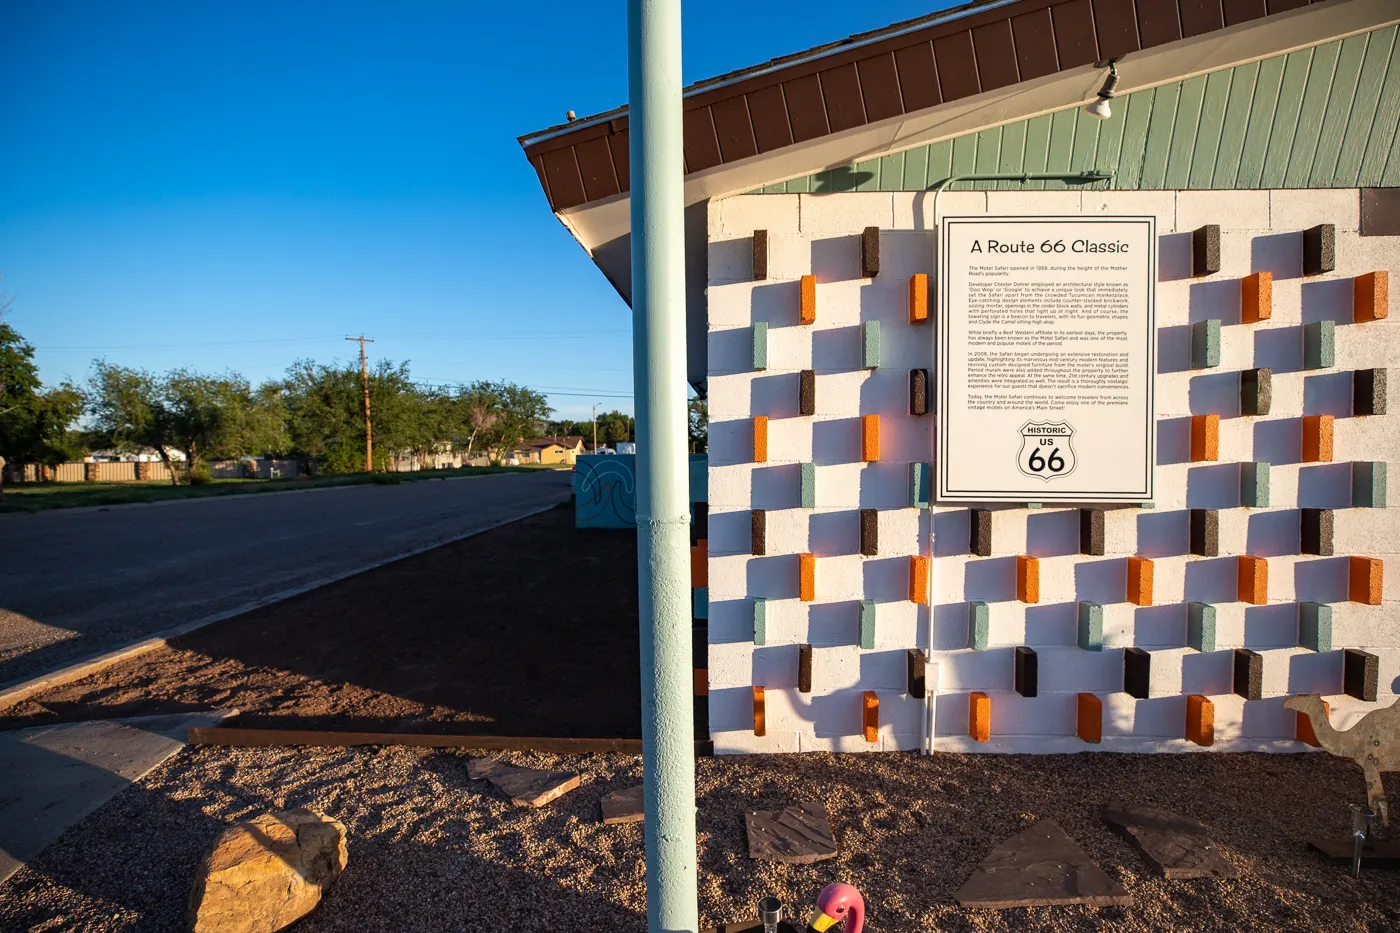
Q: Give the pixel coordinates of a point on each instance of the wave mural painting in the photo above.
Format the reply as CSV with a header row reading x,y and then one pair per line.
x,y
605,491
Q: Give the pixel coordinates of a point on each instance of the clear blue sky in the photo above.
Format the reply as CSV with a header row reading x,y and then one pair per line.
x,y
236,185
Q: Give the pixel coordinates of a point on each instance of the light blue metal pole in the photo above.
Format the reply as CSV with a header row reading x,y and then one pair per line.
x,y
663,500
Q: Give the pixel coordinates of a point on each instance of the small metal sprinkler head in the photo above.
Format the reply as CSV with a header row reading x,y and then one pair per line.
x,y
770,911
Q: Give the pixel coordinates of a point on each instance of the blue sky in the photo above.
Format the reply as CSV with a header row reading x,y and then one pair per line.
x,y
234,186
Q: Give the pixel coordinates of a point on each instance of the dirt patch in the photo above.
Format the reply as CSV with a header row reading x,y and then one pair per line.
x,y
529,629
432,850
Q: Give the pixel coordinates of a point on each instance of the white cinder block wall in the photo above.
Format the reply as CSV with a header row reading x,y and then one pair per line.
x,y
820,235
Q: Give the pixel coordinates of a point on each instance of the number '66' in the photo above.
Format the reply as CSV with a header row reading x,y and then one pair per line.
x,y
1057,247
1055,463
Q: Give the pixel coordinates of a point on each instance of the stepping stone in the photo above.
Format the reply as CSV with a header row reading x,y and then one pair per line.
x,y
797,835
1040,867
624,806
526,787
1175,846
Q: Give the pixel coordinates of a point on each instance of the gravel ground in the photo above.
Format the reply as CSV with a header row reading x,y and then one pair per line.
x,y
431,850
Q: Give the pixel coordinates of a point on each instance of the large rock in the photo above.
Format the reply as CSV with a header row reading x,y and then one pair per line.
x,y
1175,846
526,787
796,835
266,873
1040,867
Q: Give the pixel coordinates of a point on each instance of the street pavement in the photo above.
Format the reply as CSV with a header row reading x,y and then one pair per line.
x,y
76,583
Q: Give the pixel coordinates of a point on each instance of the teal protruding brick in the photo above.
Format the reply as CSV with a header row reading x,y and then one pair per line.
x,y
1319,345
1090,626
1368,485
978,625
1200,626
1254,485
870,344
1033,505
1147,505
760,345
702,603
808,485
1315,626
1205,344
867,624
760,621
918,485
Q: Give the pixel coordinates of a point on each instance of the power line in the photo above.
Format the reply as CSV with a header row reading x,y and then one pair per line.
x,y
531,335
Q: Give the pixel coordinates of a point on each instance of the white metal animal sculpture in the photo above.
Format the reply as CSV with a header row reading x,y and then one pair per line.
x,y
1373,743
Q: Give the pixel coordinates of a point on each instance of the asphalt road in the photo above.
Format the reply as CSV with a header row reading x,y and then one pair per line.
x,y
75,583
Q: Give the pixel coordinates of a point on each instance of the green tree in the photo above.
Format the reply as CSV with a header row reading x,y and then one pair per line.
x,y
478,408
614,427
520,413
699,412
35,423
326,419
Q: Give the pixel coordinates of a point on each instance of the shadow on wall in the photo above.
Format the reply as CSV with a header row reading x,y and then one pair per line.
x,y
844,178
1214,486
1331,300
1159,626
1216,394
1278,253
1324,486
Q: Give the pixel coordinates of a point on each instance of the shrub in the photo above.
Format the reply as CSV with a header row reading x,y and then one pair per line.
x,y
198,475
386,479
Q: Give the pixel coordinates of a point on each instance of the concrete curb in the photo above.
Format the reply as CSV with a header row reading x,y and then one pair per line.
x,y
14,693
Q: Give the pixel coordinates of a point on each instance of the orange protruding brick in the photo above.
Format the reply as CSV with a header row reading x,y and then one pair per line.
x,y
1257,297
870,438
1140,581
1317,438
1367,575
1304,732
870,716
760,439
1027,579
700,564
979,716
1205,437
808,312
807,577
702,682
760,713
918,579
918,298
1371,297
1090,727
1254,580
1200,720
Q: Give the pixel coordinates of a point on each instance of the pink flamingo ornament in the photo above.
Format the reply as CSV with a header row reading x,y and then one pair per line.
x,y
839,902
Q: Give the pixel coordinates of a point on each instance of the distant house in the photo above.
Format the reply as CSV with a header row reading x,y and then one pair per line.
x,y
546,450
144,455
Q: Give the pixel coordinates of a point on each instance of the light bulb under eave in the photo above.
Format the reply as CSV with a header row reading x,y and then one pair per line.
x,y
1099,109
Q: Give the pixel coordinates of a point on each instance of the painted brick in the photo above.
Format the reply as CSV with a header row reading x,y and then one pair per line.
x,y
1089,718
1368,392
1200,627
918,579
1137,673
760,621
978,625
1320,345
1027,578
979,716
918,298
1315,627
918,485
1205,250
760,713
1304,731
1200,720
1254,485
1248,674
1205,438
918,391
1368,485
1317,438
1205,532
870,438
760,256
807,392
1027,672
980,536
804,668
760,345
1140,581
870,344
1257,297
1205,344
701,681
760,439
1090,626
1365,580
1091,532
1256,391
807,577
1320,249
699,521
1371,297
1253,580
869,532
700,564
807,310
870,252
701,603
870,715
1360,673
1315,532
916,677
758,532
807,485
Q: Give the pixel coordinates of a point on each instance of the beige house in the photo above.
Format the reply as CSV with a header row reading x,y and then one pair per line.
x,y
547,450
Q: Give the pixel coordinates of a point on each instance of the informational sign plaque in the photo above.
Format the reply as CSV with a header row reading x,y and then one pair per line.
x,y
1046,355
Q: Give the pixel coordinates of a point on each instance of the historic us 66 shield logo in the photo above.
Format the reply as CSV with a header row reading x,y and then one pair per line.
x,y
1047,449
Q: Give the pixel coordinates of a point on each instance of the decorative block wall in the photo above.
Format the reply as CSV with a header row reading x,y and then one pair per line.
x,y
1180,625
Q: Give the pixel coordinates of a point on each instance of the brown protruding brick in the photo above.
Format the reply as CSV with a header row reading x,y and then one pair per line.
x,y
1140,581
1304,730
1200,720
870,438
1027,579
1317,438
760,255
870,716
807,392
979,716
807,313
807,577
804,668
1205,438
1205,250
870,253
1253,580
760,439
1366,579
1090,718
758,532
869,532
916,680
760,713
1371,296
702,682
918,579
980,539
918,298
700,565
1257,297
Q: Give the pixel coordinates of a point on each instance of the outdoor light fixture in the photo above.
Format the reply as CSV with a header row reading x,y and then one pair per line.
x,y
1100,109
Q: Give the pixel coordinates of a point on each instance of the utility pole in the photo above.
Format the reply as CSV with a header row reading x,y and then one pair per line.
x,y
369,429
595,427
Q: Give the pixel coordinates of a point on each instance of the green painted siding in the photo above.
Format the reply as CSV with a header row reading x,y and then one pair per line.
x,y
1321,117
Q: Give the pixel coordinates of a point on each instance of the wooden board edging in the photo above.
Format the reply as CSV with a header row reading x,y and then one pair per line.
x,y
284,738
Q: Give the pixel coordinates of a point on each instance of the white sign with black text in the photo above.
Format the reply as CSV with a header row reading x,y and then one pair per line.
x,y
1046,349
